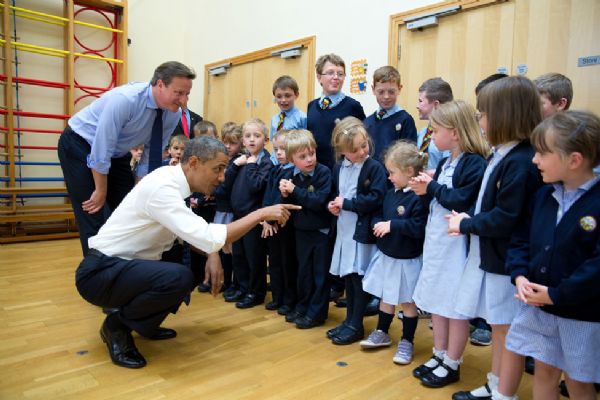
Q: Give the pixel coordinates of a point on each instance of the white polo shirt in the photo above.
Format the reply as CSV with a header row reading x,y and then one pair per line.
x,y
152,216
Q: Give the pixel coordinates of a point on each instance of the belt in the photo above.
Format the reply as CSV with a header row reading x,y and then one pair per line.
x,y
96,253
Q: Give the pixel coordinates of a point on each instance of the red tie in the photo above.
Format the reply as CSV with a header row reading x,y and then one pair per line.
x,y
184,124
426,140
380,114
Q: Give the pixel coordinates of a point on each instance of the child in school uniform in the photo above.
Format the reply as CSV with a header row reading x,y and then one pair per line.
x,y
509,109
554,260
204,128
231,135
286,92
308,184
175,149
453,187
283,267
359,184
432,93
400,229
246,180
556,93
331,106
390,122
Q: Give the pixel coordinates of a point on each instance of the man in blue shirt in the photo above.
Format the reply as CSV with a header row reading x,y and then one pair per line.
x,y
94,147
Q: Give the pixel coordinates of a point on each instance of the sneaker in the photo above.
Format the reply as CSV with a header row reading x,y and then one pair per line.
x,y
404,352
481,337
376,339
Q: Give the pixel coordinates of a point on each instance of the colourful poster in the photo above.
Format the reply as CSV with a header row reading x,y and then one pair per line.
x,y
358,76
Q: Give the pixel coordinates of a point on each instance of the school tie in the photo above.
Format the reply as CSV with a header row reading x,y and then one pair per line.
x,y
156,150
280,123
380,114
426,140
184,124
326,103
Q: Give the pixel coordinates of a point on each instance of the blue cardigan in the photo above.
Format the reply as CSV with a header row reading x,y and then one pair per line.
x,y
248,184
505,200
321,123
466,183
407,227
563,257
312,193
370,191
386,131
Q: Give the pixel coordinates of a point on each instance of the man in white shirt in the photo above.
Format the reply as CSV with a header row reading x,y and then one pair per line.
x,y
123,270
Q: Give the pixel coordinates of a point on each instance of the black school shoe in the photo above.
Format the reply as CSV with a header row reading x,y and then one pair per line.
x,y
292,316
249,301
284,310
272,306
204,287
235,296
468,396
423,369
306,322
433,381
334,331
348,335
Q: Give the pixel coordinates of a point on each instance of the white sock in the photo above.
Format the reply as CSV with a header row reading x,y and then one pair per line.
x,y
482,391
431,363
452,364
496,395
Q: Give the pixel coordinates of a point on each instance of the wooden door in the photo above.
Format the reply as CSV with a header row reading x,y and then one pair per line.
x,y
550,36
230,95
463,49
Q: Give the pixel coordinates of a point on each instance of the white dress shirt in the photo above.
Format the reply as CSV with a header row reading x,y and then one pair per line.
x,y
152,216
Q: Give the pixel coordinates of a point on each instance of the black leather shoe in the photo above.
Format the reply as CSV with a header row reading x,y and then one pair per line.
x,y
272,305
292,316
204,287
423,369
229,291
335,294
348,335
372,307
334,331
433,381
163,334
529,365
235,296
284,310
341,303
249,301
121,347
469,396
307,322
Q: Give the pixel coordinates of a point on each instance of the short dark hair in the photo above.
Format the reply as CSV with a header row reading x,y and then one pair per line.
x,y
205,148
169,70
286,82
489,79
437,89
202,128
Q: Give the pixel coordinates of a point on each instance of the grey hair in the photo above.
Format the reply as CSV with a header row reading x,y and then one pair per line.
x,y
169,70
205,148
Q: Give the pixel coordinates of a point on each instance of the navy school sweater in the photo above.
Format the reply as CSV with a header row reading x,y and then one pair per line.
x,y
386,131
272,194
222,193
466,182
321,123
370,191
563,257
504,204
312,193
407,227
248,184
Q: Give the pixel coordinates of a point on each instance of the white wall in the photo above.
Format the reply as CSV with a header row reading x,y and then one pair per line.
x,y
201,32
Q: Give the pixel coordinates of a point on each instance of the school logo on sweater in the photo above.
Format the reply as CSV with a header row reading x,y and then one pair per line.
x,y
398,127
588,223
401,210
311,189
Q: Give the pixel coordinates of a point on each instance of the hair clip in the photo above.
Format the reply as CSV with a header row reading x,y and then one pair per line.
x,y
421,154
345,132
580,129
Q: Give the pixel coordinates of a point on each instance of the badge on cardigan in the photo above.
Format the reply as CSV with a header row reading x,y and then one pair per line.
x,y
311,189
398,127
588,223
367,183
498,185
401,210
336,120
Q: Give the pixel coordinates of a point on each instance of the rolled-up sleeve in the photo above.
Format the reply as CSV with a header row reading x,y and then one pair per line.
x,y
166,207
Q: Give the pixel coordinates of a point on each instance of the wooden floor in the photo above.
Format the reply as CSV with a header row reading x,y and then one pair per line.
x,y
50,347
